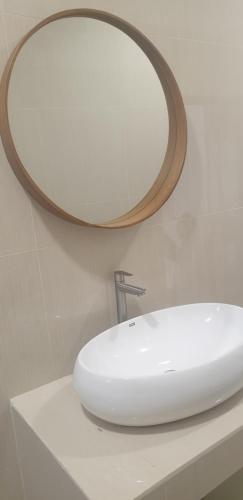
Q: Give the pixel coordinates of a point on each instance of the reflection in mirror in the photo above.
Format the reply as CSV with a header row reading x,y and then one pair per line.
x,y
88,117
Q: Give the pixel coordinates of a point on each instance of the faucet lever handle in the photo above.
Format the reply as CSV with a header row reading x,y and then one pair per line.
x,y
122,273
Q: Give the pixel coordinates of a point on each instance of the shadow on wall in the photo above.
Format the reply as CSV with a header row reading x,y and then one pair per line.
x,y
87,246
158,253
151,251
85,261
100,251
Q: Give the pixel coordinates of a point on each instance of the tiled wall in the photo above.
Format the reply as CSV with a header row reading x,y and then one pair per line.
x,y
56,279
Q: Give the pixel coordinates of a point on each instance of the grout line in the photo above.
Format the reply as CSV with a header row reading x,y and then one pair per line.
x,y
13,254
33,224
215,212
44,304
19,464
145,226
43,297
204,42
188,215
5,37
22,252
31,250
178,37
14,13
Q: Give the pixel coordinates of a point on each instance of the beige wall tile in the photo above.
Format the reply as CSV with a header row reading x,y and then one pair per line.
x,y
26,354
10,484
217,21
147,246
16,227
76,301
203,257
53,231
195,80
17,26
225,148
218,256
3,43
8,446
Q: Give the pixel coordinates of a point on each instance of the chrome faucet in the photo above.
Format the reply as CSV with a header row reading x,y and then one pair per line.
x,y
122,289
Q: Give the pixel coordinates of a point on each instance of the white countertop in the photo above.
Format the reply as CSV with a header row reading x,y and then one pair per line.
x,y
110,462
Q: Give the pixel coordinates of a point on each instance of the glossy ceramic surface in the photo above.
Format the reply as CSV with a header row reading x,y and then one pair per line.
x,y
163,366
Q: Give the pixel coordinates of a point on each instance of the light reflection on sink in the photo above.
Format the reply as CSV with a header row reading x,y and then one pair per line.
x,y
163,366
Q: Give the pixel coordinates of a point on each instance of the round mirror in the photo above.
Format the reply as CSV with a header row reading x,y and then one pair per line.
x,y
93,121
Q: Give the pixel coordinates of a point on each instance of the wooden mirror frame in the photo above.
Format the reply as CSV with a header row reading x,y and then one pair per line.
x,y
176,149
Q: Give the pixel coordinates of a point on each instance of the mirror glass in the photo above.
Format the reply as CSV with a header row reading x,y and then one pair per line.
x,y
88,117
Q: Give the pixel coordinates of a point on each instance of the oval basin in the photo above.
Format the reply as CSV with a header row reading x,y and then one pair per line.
x,y
163,366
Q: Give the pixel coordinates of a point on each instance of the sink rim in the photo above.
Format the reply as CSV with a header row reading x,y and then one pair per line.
x,y
153,375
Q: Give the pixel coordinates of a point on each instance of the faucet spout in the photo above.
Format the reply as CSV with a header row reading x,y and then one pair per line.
x,y
132,290
122,289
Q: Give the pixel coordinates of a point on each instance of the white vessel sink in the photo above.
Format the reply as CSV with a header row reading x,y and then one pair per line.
x,y
163,366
